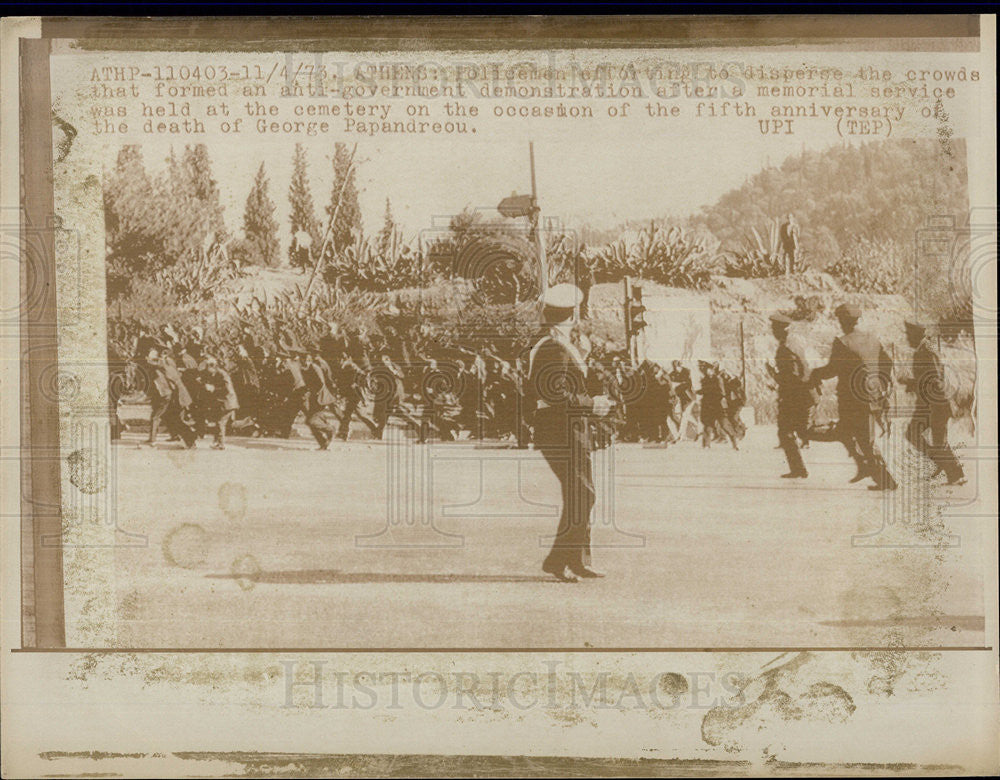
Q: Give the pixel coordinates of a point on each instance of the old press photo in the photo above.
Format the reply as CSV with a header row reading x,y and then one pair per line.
x,y
479,396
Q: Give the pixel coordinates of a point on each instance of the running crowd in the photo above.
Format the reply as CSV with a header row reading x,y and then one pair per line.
x,y
247,385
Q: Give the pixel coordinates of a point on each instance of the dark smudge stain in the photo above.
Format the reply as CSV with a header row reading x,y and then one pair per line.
x,y
87,471
781,699
69,135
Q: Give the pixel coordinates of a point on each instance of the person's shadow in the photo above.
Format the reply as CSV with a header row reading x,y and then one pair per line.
x,y
334,577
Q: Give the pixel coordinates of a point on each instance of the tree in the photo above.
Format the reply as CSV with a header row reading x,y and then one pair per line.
x,y
203,188
388,231
303,215
134,240
349,214
260,229
188,199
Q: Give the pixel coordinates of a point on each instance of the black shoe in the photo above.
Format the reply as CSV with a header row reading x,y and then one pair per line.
x,y
587,573
795,475
862,474
560,573
957,481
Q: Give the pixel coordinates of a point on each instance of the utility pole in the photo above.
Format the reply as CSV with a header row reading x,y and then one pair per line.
x,y
527,206
536,227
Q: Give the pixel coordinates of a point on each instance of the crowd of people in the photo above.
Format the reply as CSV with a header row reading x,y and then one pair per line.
x,y
248,385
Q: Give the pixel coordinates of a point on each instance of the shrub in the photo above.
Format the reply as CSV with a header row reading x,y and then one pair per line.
x,y
760,256
872,266
671,256
359,266
198,279
568,260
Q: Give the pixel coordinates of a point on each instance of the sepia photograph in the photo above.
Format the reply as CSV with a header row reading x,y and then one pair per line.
x,y
488,396
384,417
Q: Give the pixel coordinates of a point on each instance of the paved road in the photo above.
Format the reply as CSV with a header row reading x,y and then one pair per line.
x,y
274,544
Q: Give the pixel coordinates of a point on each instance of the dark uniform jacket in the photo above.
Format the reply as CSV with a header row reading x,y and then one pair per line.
x,y
219,393
166,381
863,369
713,397
683,387
319,394
557,392
793,373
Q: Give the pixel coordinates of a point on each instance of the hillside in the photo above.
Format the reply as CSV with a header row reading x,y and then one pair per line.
x,y
881,191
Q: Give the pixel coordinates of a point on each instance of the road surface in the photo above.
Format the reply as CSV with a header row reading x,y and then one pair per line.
x,y
274,544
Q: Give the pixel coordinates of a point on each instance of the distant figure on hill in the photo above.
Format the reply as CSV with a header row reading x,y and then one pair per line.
x,y
788,234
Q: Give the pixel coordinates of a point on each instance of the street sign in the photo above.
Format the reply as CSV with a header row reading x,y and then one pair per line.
x,y
516,206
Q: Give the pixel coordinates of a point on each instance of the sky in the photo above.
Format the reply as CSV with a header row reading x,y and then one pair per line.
x,y
600,182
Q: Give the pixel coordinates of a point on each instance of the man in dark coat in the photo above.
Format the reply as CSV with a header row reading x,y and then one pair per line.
x,y
218,402
168,396
333,346
295,384
557,394
714,406
247,380
385,381
796,398
864,373
736,399
933,407
351,380
788,235
680,377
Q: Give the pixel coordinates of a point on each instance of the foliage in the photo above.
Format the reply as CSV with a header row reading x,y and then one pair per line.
x,y
303,212
132,221
882,191
195,216
808,307
568,260
155,222
760,254
387,236
359,266
873,266
306,317
260,228
672,256
497,254
348,222
198,279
